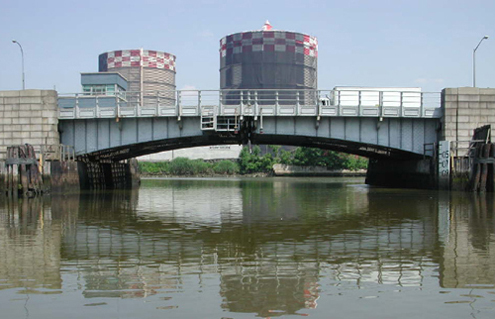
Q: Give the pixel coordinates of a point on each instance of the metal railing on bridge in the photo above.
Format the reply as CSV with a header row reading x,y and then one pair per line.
x,y
320,103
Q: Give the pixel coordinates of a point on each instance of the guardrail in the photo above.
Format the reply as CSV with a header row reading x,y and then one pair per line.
x,y
351,103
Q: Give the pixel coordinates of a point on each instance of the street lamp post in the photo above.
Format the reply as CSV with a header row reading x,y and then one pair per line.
x,y
22,56
474,60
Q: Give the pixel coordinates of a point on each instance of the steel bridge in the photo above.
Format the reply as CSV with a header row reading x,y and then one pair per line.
x,y
370,122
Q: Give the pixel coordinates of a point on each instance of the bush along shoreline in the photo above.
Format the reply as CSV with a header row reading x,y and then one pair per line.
x,y
253,163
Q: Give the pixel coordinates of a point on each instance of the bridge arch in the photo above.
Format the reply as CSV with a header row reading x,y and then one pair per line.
x,y
114,140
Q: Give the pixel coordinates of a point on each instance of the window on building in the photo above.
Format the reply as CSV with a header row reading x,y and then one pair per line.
x,y
104,89
110,89
87,90
99,89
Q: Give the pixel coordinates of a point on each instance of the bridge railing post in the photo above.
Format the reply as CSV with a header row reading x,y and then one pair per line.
x,y
380,103
318,104
241,99
97,106
360,111
118,109
140,106
421,105
276,102
256,106
220,101
178,105
157,102
116,101
199,102
249,101
76,115
401,104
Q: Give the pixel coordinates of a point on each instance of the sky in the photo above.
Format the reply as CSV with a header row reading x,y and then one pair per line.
x,y
427,44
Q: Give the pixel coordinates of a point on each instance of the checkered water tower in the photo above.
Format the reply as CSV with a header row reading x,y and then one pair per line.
x,y
268,59
150,74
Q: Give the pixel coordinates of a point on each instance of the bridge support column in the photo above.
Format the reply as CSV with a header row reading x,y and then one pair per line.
x,y
418,173
115,175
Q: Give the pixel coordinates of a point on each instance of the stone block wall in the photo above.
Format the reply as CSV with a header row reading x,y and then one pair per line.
x,y
28,116
465,109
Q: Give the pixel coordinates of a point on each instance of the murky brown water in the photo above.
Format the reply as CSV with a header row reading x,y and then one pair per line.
x,y
212,248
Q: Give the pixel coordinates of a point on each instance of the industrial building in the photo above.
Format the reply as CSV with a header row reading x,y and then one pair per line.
x,y
269,59
150,74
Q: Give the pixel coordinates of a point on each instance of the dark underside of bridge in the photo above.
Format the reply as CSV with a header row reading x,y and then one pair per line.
x,y
229,138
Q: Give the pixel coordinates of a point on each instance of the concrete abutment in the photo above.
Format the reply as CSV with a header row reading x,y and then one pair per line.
x,y
31,117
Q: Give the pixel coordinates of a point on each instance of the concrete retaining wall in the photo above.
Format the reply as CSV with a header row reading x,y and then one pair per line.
x,y
28,116
293,170
213,152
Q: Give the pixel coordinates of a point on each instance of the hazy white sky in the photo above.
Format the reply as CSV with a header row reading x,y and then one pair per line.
x,y
425,43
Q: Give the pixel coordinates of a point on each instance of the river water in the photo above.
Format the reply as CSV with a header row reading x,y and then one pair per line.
x,y
245,248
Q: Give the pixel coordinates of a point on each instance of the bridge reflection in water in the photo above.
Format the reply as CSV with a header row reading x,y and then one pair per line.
x,y
259,245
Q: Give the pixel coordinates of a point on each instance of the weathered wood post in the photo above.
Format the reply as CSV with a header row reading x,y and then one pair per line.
x,y
23,175
484,167
444,165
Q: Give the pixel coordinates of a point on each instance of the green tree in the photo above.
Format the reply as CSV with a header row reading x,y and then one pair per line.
x,y
306,156
275,149
253,162
153,167
354,162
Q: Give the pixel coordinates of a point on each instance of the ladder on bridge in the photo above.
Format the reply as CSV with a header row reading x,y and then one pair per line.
x,y
208,118
211,122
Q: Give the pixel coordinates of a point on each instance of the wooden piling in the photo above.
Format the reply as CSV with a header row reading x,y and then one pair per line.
x,y
485,153
24,179
8,180
476,170
491,170
23,176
